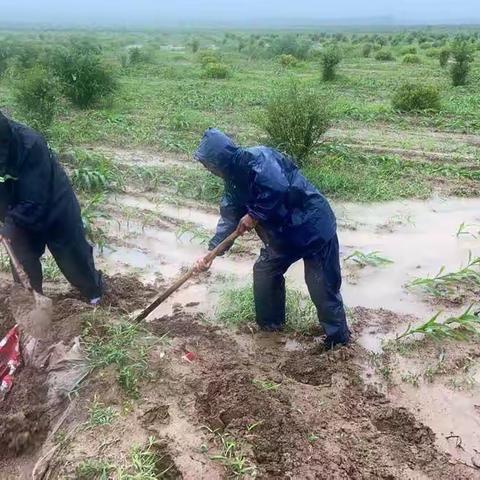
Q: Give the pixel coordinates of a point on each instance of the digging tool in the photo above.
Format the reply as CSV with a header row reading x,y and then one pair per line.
x,y
218,250
34,319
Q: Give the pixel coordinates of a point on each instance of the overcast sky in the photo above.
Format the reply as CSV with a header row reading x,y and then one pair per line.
x,y
151,12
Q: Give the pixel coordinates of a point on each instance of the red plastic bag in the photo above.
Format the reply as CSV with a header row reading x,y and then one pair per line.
x,y
9,359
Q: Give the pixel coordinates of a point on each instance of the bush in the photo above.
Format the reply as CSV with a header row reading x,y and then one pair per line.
x,y
287,60
290,45
36,96
216,70
367,50
411,50
411,97
330,60
195,44
85,78
444,57
294,120
384,56
462,54
135,56
209,57
411,59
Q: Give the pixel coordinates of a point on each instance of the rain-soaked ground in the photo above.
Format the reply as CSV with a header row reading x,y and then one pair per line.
x,y
418,236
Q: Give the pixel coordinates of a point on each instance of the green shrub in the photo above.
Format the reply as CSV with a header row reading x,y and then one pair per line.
x,y
36,96
412,97
410,50
384,56
4,59
216,70
411,59
209,57
462,54
367,50
444,57
135,55
290,45
287,60
86,78
330,60
195,45
294,120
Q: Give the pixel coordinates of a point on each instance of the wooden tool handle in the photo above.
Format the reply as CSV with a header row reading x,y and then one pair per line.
x,y
16,265
218,250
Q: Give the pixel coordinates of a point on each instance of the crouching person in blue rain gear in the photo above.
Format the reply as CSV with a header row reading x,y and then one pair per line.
x,y
265,190
39,209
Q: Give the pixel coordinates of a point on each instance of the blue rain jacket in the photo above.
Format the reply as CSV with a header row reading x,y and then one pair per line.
x,y
293,216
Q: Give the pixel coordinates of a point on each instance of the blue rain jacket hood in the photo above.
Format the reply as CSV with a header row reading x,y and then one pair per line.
x,y
292,215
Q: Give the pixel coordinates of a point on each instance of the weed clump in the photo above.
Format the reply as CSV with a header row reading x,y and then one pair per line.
x,y
36,96
412,97
294,120
236,307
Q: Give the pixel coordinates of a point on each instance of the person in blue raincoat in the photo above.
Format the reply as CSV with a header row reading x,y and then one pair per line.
x,y
265,190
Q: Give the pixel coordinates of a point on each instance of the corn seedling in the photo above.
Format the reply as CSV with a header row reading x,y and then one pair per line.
x,y
372,259
194,233
91,214
463,327
254,425
466,229
448,284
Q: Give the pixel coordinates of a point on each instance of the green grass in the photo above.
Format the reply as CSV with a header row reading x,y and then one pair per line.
x,y
100,414
93,469
236,307
122,344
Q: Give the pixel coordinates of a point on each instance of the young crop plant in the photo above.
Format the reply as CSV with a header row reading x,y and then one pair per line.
x,y
452,284
464,327
372,259
91,214
466,229
294,120
413,97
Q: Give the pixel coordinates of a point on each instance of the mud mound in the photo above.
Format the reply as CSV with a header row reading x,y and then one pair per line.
x,y
379,320
126,292
7,320
24,418
314,368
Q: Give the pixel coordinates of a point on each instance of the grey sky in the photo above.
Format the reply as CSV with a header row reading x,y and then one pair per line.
x,y
151,12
